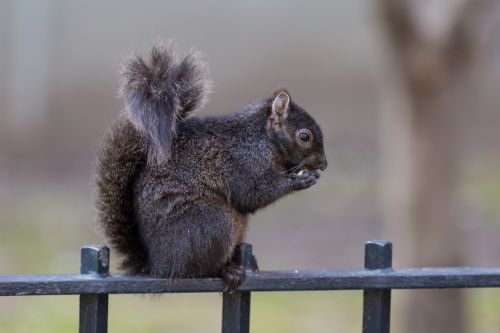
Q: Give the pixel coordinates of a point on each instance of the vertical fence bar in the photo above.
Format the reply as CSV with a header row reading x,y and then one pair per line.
x,y
377,302
236,305
94,307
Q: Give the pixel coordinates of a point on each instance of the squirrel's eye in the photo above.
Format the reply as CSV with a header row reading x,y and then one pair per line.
x,y
304,135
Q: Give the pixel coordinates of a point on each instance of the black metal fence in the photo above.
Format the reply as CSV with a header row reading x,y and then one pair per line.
x,y
94,284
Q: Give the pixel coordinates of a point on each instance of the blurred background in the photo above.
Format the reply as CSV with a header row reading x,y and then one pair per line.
x,y
405,92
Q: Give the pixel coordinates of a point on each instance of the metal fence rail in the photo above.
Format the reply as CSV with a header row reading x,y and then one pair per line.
x,y
94,284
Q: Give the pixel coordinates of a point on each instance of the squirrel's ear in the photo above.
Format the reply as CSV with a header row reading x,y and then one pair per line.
x,y
281,104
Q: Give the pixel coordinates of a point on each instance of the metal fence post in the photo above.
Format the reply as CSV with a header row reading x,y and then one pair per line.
x,y
94,307
236,305
377,302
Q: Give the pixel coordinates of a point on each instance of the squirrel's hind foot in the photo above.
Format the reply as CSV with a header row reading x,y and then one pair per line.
x,y
233,275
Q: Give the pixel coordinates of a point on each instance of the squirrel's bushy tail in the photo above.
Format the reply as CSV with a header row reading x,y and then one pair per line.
x,y
161,91
122,155
157,95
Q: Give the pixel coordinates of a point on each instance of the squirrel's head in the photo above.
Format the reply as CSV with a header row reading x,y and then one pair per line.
x,y
295,134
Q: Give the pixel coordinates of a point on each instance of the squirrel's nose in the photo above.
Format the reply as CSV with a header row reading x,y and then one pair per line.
x,y
323,163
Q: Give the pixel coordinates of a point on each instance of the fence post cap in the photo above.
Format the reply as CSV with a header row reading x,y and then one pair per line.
x,y
94,259
378,243
378,254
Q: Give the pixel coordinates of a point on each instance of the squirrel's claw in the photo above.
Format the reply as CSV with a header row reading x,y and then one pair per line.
x,y
315,173
254,267
304,180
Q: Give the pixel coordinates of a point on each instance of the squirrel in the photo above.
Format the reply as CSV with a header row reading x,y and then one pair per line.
x,y
174,191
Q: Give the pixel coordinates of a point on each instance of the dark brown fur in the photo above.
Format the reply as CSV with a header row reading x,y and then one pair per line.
x,y
174,193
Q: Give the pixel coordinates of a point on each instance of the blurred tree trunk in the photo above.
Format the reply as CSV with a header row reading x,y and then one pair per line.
x,y
431,61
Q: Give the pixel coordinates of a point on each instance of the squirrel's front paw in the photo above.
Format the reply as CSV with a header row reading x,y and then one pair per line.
x,y
305,180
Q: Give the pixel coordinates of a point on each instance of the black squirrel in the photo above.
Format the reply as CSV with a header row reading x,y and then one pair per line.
x,y
173,191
